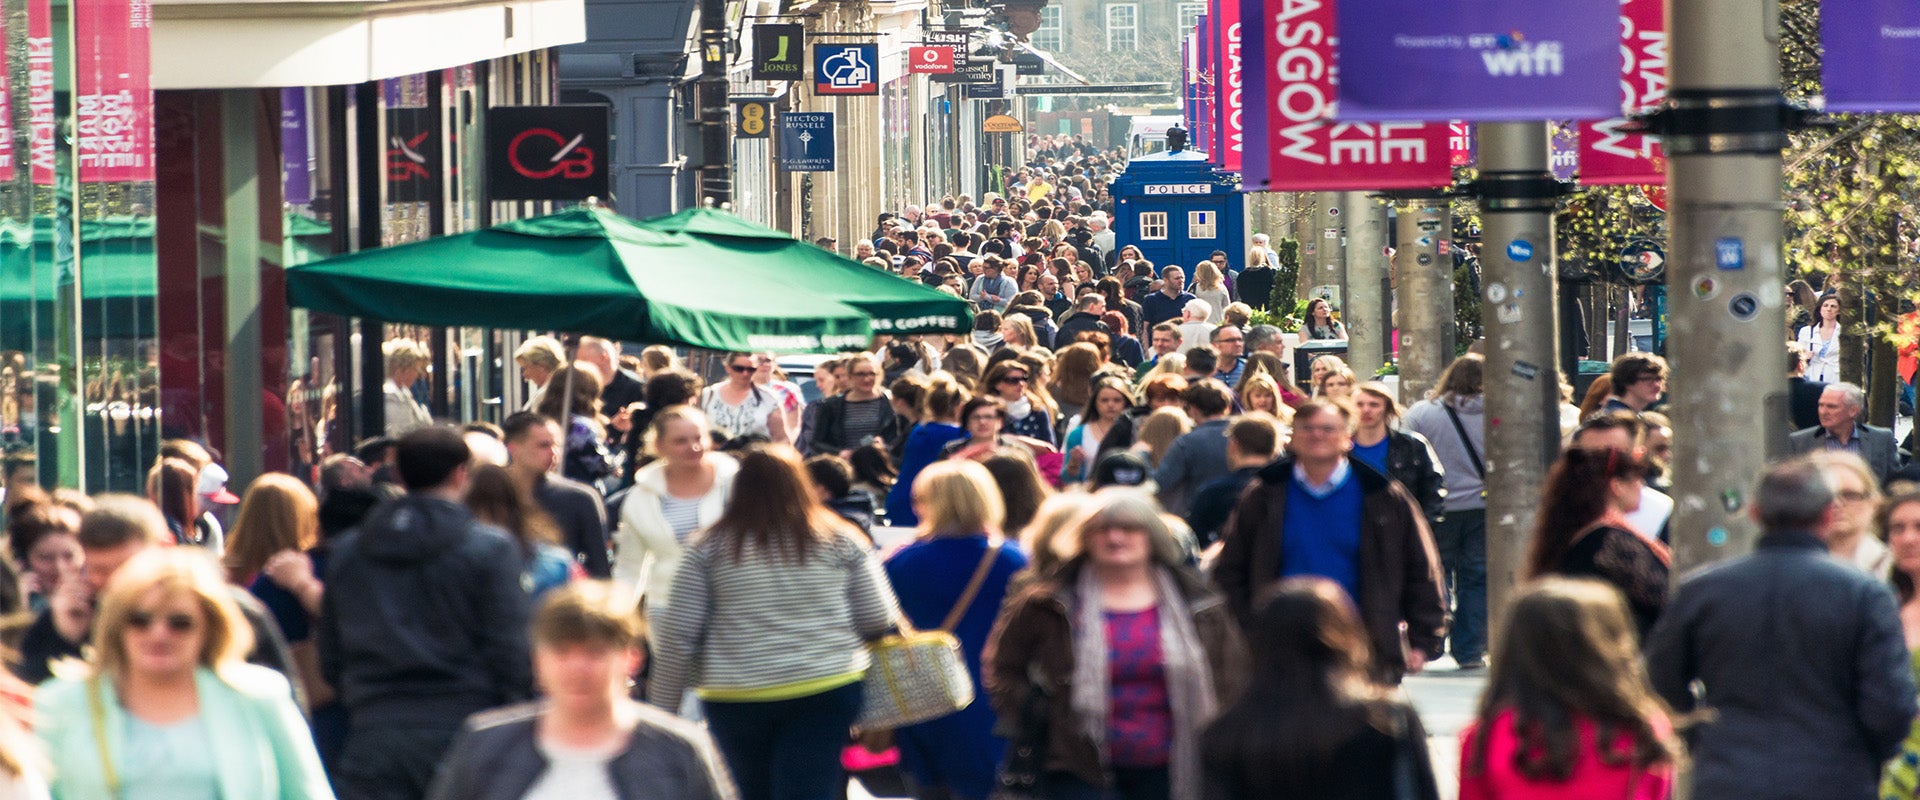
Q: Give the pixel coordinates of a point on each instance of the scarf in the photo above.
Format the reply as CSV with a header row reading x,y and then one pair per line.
x,y
1190,689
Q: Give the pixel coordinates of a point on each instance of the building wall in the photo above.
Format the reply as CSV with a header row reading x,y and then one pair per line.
x,y
1079,34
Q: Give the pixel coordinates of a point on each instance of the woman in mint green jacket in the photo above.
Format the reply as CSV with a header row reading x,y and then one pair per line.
x,y
167,706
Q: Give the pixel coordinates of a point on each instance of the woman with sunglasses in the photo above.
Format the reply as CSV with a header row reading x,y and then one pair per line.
x,y
167,703
1582,531
741,408
1012,382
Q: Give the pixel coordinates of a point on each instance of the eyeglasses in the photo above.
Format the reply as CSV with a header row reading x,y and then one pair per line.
x,y
741,368
1320,430
1851,496
866,374
176,622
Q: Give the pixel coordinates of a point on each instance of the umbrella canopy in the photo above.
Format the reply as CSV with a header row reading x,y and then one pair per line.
x,y
748,250
585,270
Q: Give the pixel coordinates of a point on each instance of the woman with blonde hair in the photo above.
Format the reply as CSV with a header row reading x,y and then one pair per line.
x,y
1856,494
683,491
954,577
1125,653
1017,331
1211,286
1259,392
167,703
1336,383
278,513
1159,430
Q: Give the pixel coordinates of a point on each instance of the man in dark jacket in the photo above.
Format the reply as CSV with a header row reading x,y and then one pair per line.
x,y
1085,318
424,622
533,452
620,388
1320,512
1801,658
1251,442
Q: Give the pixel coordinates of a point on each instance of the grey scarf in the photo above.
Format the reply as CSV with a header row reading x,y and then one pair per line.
x,y
1189,681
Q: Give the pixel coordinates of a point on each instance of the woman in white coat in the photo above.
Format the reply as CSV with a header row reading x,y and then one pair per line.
x,y
672,498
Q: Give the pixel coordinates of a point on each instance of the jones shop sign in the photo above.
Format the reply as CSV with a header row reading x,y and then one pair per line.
x,y
547,152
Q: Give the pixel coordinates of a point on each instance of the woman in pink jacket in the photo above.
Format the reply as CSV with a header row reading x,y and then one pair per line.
x,y
1568,713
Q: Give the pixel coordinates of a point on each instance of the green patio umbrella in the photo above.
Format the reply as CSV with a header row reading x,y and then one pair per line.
x,y
747,249
585,270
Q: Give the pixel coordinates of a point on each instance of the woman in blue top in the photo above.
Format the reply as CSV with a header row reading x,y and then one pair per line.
x,y
1110,398
960,516
1011,381
168,705
940,415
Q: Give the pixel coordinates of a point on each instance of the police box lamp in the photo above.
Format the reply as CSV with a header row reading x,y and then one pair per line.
x,y
1176,139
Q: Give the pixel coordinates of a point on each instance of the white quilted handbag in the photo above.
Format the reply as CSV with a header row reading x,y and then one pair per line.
x,y
921,675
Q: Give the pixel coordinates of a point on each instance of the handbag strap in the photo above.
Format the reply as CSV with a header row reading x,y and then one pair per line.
x,y
965,602
98,710
1458,428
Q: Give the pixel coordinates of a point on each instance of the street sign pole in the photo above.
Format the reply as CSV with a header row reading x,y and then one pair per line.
x,y
1423,285
1724,132
1518,308
1330,276
710,92
1366,318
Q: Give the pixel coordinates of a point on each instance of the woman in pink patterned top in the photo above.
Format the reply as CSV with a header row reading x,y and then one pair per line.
x,y
1568,713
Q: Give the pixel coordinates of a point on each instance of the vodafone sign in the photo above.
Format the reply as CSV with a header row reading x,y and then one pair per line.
x,y
930,60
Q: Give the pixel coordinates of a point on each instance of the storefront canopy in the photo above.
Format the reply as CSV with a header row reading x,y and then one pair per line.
x,y
590,271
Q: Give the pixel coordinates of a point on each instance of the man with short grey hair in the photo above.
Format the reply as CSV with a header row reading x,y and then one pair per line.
x,y
1800,658
1840,428
1266,339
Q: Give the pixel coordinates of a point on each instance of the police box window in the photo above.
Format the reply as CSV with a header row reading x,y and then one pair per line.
x,y
1153,225
1200,224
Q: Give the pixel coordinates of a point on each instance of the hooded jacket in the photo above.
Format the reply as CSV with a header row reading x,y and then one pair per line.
x,y
646,552
424,621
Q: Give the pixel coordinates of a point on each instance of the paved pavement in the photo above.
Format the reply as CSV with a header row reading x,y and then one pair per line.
x,y
1445,697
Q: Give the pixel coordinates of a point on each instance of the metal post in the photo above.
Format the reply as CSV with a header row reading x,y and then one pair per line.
x,y
710,92
1330,264
1518,310
1366,272
1424,292
245,423
1724,129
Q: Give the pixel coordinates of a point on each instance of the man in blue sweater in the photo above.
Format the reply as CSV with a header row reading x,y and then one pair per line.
x,y
1318,511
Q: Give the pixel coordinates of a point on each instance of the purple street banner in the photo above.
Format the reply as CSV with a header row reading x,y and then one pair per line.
x,y
1872,53
1201,135
1229,83
1563,150
1297,146
1484,60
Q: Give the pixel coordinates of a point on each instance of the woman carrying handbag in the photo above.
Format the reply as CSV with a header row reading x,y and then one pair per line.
x,y
955,576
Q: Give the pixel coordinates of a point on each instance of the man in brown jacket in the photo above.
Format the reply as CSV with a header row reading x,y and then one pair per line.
x,y
1318,511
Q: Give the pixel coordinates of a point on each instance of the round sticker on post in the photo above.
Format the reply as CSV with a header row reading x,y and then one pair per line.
x,y
1520,251
1496,292
1334,211
1744,307
1424,259
1705,288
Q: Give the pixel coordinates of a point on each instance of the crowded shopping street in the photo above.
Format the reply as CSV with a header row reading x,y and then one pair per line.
x,y
959,400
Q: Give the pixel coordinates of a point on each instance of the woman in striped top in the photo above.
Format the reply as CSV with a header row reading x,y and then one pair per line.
x,y
771,611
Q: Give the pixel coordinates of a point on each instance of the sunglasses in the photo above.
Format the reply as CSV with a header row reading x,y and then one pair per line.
x,y
741,368
176,622
1013,379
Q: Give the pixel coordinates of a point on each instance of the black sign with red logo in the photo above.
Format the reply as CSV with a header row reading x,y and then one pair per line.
x,y
547,152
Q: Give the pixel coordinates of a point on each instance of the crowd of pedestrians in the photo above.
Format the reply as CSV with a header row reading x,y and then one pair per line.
x,y
1169,571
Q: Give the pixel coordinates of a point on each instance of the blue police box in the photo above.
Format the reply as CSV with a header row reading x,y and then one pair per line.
x,y
1178,209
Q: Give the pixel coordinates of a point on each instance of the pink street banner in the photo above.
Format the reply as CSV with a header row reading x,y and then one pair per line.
x,y
1484,60
6,121
113,101
40,122
1229,83
1612,156
1871,55
1291,98
1460,144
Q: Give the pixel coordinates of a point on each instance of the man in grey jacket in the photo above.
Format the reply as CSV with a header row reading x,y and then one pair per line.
x,y
1801,658
1840,428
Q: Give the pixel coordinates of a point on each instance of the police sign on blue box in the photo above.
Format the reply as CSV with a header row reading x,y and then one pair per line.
x,y
806,141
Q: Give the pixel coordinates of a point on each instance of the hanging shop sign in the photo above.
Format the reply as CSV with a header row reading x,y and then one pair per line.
x,y
1499,60
1871,51
777,52
1001,123
1229,117
1025,63
846,69
1610,155
930,60
806,141
956,41
753,119
547,152
1289,102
